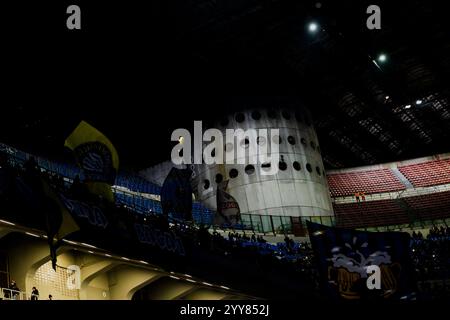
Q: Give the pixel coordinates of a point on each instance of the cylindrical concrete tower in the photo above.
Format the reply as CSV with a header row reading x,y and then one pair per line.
x,y
271,202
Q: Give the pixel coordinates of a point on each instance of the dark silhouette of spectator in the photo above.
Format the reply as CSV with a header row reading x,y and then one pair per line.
x,y
50,297
357,196
34,294
15,290
32,175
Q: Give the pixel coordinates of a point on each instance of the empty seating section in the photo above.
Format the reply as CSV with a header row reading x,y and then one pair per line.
x,y
369,214
431,206
373,181
428,173
388,212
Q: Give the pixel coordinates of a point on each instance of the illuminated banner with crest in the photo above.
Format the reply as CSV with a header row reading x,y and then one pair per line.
x,y
363,265
97,158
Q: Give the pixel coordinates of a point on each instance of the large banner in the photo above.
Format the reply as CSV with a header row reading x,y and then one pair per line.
x,y
176,194
228,211
362,265
97,158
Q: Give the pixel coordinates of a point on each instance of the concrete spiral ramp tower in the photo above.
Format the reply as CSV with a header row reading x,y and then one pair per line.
x,y
271,202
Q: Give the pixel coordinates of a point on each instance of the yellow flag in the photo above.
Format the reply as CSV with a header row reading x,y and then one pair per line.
x,y
97,158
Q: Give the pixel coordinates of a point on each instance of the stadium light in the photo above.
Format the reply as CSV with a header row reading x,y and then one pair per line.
x,y
419,102
313,27
407,106
382,58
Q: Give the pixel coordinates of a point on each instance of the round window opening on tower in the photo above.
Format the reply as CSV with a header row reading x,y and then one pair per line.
x,y
286,115
308,167
266,166
303,141
239,117
277,139
313,145
296,166
229,147
291,140
282,165
261,141
206,184
224,122
271,114
245,143
233,173
256,115
249,169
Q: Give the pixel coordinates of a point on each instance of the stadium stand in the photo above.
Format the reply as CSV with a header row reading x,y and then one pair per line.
x,y
393,211
372,214
427,173
130,181
371,181
431,206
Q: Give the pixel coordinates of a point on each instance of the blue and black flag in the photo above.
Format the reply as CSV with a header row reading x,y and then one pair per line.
x,y
363,265
176,194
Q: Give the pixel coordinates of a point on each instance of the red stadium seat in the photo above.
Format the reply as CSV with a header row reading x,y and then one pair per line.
x,y
373,181
427,174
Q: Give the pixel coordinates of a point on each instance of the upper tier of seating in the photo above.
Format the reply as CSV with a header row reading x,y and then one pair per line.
x,y
128,180
369,214
200,213
393,211
428,173
372,181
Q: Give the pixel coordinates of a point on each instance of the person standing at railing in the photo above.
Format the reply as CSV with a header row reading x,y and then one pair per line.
x,y
363,196
15,291
357,196
34,294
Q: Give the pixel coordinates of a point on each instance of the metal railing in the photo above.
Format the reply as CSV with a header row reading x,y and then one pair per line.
x,y
10,294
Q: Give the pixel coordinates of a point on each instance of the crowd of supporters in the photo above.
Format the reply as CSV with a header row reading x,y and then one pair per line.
x,y
431,259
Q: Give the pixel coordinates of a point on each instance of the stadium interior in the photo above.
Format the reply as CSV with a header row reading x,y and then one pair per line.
x,y
364,124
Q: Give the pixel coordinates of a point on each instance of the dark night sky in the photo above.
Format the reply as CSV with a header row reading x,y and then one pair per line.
x,y
134,74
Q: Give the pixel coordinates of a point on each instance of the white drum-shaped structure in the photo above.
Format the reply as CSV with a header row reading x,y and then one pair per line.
x,y
270,201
